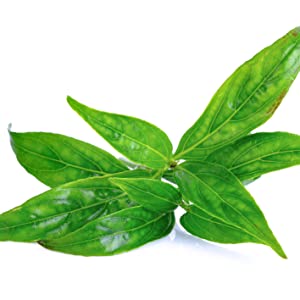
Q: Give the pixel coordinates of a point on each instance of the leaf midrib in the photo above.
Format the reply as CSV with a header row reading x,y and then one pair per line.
x,y
149,193
222,224
112,234
59,161
63,213
262,157
218,217
166,159
104,156
232,226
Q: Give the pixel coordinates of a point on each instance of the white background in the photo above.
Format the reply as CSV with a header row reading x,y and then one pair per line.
x,y
160,61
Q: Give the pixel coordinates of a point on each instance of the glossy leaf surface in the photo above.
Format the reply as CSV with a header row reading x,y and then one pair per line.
x,y
247,99
219,199
115,233
260,153
56,159
64,209
205,226
138,140
152,194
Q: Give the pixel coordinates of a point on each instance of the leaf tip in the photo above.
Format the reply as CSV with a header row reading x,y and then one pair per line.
x,y
281,253
278,249
75,105
295,32
71,101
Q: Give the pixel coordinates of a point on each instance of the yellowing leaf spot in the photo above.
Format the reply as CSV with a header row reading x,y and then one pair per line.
x,y
277,103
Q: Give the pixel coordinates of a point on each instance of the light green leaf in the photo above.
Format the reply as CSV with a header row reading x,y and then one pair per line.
x,y
66,208
260,153
247,99
222,211
56,159
153,194
115,233
138,140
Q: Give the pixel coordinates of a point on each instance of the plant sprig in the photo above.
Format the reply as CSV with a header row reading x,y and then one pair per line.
x,y
99,205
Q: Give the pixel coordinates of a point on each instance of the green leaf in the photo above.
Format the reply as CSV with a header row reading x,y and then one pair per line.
x,y
115,233
63,209
169,175
223,210
202,224
56,159
153,194
260,153
138,140
247,99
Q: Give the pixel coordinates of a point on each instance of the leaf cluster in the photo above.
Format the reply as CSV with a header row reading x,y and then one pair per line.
x,y
100,205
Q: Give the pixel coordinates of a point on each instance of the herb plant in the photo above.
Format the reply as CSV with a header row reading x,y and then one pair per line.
x,y
99,205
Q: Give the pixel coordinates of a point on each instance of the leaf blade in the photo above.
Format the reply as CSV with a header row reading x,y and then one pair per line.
x,y
115,233
56,159
247,99
258,154
138,140
63,209
152,194
203,225
219,194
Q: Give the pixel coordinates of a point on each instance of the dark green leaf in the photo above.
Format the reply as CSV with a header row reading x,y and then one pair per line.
x,y
138,140
222,209
153,194
260,153
64,209
169,175
115,233
56,159
247,99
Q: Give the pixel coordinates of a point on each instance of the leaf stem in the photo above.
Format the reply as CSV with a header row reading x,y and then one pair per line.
x,y
185,205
